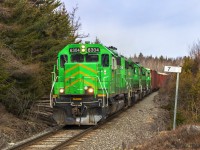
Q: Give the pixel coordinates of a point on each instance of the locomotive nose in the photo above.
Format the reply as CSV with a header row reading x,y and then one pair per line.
x,y
81,79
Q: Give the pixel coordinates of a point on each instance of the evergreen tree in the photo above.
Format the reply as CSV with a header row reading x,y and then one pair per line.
x,y
37,29
32,33
4,84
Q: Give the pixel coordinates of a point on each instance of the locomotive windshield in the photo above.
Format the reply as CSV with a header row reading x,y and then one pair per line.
x,y
77,58
87,58
91,58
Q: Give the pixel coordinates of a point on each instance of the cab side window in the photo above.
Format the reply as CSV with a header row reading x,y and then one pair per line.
x,y
63,60
136,70
148,74
114,63
143,71
126,65
105,60
119,61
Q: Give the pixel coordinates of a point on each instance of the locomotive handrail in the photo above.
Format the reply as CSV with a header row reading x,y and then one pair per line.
x,y
51,105
54,73
54,77
128,83
129,87
101,86
105,90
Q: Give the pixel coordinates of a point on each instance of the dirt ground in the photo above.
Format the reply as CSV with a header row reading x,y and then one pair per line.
x,y
13,129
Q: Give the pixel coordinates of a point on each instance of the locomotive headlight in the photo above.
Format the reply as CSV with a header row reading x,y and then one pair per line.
x,y
83,46
61,90
90,90
83,50
85,88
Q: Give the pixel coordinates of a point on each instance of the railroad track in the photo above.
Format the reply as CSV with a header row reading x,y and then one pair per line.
x,y
49,140
83,136
62,137
42,111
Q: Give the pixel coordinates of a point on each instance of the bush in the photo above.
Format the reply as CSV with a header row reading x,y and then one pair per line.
x,y
189,89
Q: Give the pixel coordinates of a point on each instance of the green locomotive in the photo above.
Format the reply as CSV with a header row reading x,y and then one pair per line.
x,y
91,81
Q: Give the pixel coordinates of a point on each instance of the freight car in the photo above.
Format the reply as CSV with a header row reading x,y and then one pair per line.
x,y
158,80
91,82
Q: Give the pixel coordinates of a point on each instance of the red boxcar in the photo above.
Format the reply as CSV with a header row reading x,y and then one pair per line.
x,y
161,79
157,79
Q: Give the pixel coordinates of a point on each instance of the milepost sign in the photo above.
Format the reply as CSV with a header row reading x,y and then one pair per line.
x,y
172,69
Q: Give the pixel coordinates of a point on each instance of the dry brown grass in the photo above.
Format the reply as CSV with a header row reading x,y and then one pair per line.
x,y
5,12
185,137
15,65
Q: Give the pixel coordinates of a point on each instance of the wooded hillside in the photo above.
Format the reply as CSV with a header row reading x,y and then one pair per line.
x,y
32,32
156,63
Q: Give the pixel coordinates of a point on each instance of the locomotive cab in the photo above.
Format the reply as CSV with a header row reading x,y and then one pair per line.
x,y
80,89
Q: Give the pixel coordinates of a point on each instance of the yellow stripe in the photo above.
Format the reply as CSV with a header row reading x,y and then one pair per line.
x,y
72,76
79,72
55,96
101,95
68,70
90,84
92,78
73,83
92,70
83,73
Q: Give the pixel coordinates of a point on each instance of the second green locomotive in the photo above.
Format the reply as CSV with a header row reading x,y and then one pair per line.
x,y
91,81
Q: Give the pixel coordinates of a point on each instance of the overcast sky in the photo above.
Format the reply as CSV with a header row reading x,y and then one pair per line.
x,y
153,27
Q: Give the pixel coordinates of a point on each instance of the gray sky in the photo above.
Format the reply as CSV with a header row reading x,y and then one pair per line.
x,y
153,27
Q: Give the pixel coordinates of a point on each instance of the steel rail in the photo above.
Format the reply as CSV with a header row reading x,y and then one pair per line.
x,y
27,142
77,137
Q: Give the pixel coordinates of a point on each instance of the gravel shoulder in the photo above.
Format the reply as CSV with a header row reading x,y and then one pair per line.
x,y
140,123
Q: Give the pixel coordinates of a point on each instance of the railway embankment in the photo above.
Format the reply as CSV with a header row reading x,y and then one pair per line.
x,y
13,129
143,126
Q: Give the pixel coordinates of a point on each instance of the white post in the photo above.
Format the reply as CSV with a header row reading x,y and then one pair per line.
x,y
175,69
176,99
